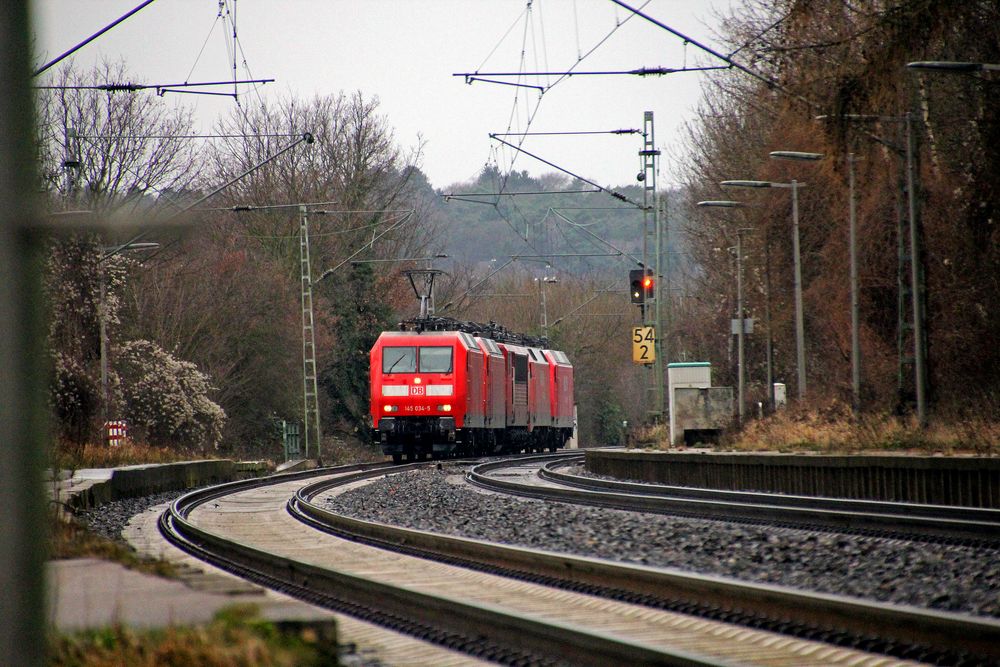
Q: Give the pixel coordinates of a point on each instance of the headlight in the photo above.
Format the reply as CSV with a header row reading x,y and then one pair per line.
x,y
445,408
392,408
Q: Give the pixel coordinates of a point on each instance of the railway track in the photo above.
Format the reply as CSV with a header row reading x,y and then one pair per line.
x,y
624,616
546,480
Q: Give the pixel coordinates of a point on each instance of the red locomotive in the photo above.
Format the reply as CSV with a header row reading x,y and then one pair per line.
x,y
441,387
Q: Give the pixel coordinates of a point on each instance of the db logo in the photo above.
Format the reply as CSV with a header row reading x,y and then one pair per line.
x,y
417,390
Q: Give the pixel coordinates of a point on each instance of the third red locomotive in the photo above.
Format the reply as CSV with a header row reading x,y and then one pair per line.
x,y
440,387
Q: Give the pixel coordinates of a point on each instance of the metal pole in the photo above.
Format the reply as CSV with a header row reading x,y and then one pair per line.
x,y
102,307
800,345
651,311
545,315
739,317
310,389
769,352
855,314
915,277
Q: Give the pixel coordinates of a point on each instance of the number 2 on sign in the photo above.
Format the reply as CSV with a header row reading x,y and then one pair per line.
x,y
643,345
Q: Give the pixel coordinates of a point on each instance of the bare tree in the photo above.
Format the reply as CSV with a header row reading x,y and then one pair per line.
x,y
100,148
844,59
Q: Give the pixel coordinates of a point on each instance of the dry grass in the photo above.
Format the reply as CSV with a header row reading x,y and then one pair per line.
x,y
73,457
832,428
237,637
66,456
649,435
341,451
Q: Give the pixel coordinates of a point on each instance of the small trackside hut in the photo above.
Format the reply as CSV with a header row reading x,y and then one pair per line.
x,y
441,387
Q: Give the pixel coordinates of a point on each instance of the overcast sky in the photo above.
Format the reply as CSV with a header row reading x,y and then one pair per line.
x,y
405,52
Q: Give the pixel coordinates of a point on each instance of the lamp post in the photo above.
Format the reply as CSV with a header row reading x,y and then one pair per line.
x,y
908,153
952,67
853,260
800,353
920,370
541,295
740,326
855,309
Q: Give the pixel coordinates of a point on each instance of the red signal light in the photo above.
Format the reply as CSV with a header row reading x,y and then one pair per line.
x,y
647,282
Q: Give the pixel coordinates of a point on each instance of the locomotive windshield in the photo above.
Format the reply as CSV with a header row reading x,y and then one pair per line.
x,y
435,359
399,359
431,359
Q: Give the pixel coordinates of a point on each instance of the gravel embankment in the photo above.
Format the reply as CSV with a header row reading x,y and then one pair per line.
x,y
110,519
951,578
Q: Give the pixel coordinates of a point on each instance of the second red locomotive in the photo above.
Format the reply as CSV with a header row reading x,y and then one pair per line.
x,y
446,388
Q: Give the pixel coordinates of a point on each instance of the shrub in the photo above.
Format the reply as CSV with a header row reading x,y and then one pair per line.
x,y
166,400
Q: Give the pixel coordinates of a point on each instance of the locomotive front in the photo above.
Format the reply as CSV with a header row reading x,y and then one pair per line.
x,y
417,393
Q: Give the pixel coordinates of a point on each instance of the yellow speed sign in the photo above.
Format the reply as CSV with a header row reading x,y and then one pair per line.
x,y
643,345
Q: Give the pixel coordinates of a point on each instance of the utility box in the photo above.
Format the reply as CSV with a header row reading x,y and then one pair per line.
x,y
698,411
780,395
700,414
684,375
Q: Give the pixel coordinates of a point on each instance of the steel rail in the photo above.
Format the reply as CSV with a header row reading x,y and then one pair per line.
x,y
778,606
977,516
774,508
458,622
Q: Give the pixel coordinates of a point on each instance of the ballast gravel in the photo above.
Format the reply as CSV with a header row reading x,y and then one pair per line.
x,y
943,577
111,518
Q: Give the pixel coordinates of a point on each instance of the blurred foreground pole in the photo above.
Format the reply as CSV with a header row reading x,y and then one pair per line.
x,y
22,423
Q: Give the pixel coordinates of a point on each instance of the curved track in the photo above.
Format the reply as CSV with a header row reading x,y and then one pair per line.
x,y
547,481
244,526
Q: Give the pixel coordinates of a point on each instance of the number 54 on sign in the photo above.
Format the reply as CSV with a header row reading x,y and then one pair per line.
x,y
643,345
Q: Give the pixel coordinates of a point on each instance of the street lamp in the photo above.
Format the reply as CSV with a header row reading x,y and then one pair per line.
x,y
541,295
797,155
910,156
800,351
852,233
800,346
916,270
949,66
741,322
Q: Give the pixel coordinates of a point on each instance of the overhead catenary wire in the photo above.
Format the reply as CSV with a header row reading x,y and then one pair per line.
x,y
617,250
639,71
88,40
243,208
617,195
771,83
570,132
328,272
197,58
459,196
526,15
189,136
160,88
306,138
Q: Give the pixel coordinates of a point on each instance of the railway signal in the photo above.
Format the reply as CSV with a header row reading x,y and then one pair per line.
x,y
636,289
647,285
640,285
